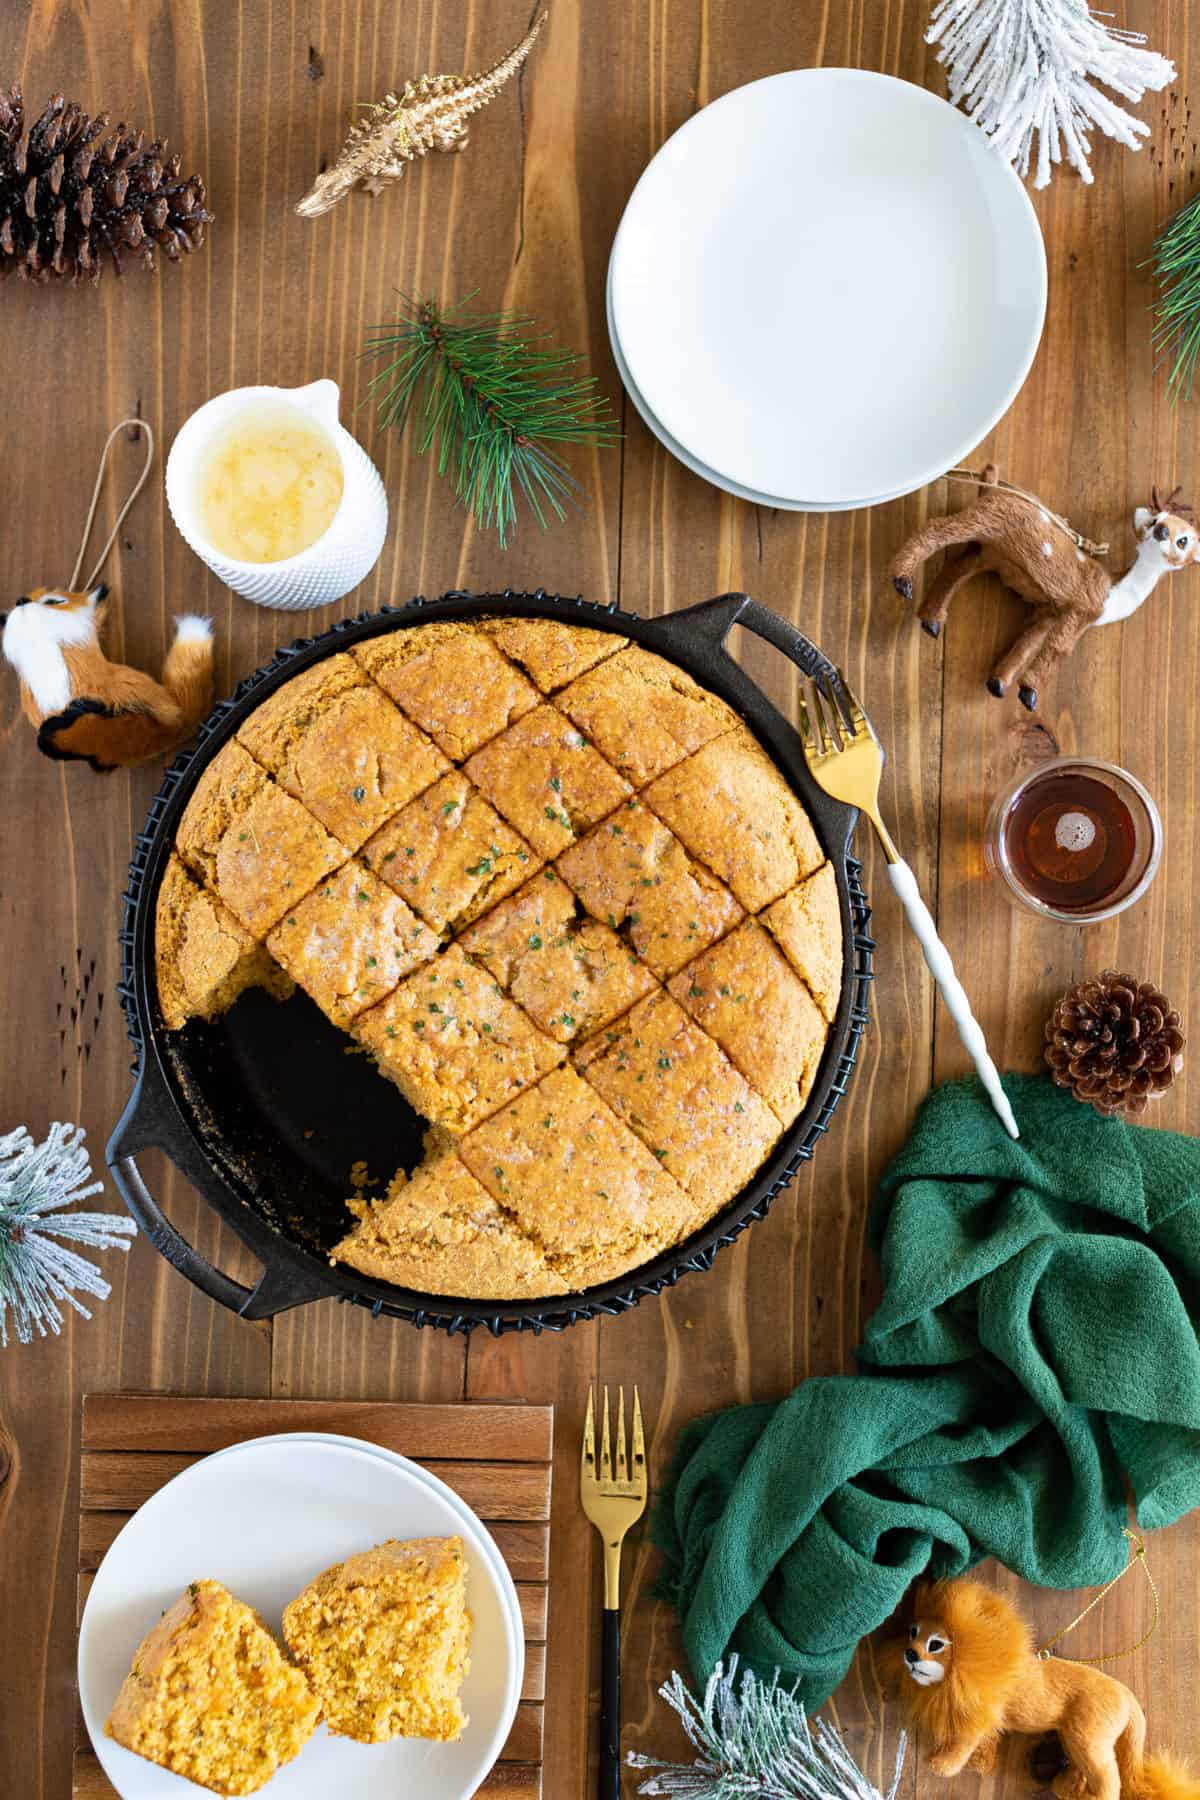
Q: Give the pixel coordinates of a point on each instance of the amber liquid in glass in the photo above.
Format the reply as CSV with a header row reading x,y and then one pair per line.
x,y
1070,841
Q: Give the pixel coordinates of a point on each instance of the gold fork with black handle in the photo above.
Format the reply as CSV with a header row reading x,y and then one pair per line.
x,y
614,1498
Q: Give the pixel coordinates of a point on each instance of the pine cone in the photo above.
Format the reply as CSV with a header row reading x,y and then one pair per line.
x,y
70,190
1115,1043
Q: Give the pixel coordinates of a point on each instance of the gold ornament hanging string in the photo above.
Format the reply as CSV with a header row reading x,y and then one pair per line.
x,y
974,478
134,425
1136,1555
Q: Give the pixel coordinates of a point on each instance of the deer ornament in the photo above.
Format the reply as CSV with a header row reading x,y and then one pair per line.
x,y
1041,558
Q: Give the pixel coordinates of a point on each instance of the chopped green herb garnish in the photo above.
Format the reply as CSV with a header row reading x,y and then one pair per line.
x,y
535,942
360,793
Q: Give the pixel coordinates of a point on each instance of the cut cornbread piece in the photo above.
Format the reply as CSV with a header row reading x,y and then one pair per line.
x,y
668,1080
547,780
211,1696
204,959
570,973
734,811
636,876
807,923
551,652
578,1180
440,1232
251,844
451,680
349,942
643,713
746,995
383,1640
332,741
453,1045
450,854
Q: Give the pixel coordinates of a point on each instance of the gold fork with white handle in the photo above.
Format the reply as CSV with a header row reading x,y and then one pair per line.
x,y
846,759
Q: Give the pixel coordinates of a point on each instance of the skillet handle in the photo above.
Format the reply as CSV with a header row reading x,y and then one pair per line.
x,y
712,621
143,1125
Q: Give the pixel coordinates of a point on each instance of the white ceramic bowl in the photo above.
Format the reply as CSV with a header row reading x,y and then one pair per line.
x,y
343,556
264,1517
827,288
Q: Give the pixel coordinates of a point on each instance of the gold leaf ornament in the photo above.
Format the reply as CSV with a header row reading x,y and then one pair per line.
x,y
431,114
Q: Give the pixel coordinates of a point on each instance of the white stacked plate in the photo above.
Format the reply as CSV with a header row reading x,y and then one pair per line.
x,y
825,290
264,1518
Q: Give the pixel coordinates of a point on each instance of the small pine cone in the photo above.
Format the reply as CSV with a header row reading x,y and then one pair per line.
x,y
71,192
1115,1043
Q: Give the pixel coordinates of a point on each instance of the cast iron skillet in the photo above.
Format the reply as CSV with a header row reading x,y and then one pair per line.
x,y
265,1109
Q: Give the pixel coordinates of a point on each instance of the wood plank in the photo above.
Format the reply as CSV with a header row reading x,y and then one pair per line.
x,y
507,1781
115,1480
181,1423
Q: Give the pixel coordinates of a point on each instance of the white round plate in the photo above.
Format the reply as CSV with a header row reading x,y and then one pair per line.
x,y
827,285
265,1517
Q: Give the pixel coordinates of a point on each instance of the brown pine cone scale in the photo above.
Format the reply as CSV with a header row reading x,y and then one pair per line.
x,y
1115,1042
74,194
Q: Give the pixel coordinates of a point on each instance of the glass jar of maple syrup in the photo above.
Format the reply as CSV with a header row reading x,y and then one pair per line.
x,y
1074,839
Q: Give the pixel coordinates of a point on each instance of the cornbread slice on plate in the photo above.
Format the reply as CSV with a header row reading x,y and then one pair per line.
x,y
733,810
453,1044
251,844
441,1232
332,741
679,1092
570,973
551,652
635,875
807,923
211,1696
450,855
644,714
349,943
547,780
747,996
578,1181
383,1639
203,957
451,681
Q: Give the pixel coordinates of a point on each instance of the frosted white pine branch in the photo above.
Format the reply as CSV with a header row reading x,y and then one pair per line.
x,y
1026,71
39,1274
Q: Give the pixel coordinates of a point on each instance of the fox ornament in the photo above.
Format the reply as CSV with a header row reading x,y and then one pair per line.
x,y
966,1667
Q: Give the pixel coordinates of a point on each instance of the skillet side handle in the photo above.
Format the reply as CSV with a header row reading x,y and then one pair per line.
x,y
138,1128
712,620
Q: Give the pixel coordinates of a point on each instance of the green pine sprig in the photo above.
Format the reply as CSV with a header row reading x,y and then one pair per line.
x,y
754,1742
1176,260
494,400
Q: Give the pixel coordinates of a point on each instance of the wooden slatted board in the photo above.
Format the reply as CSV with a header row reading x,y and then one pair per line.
x,y
496,1457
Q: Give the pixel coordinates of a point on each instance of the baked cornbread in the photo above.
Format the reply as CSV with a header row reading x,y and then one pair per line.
x,y
204,957
211,1696
555,827
333,741
383,1639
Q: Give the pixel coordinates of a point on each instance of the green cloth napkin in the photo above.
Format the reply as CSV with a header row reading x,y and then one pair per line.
x,y
1035,1356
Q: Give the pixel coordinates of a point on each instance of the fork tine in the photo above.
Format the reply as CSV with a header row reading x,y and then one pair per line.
x,y
831,743
589,1439
808,736
639,1438
622,1462
606,1473
857,718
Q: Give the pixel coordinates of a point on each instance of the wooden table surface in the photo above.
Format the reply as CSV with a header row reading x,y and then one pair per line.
x,y
255,93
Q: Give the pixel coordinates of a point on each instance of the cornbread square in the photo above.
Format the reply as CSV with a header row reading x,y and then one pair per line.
x,y
211,1696
204,959
578,1180
334,743
349,942
551,652
644,714
807,923
746,995
383,1639
452,1043
570,973
734,811
449,854
667,1079
545,777
451,680
440,1232
251,844
636,876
